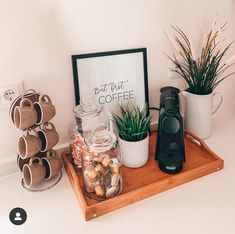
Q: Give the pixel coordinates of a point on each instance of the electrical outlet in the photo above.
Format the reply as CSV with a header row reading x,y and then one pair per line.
x,y
9,95
9,90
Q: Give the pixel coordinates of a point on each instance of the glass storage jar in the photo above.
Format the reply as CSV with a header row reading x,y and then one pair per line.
x,y
90,117
101,161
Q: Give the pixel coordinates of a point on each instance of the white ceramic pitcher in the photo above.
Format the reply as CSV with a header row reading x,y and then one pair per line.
x,y
199,112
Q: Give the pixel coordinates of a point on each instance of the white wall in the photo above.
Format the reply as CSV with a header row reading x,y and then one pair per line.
x,y
37,39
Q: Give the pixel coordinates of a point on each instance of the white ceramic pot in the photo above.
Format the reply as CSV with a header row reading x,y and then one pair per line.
x,y
199,112
134,153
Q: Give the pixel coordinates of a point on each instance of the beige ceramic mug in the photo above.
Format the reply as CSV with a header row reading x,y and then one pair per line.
x,y
21,162
29,145
34,172
48,135
52,164
45,109
24,115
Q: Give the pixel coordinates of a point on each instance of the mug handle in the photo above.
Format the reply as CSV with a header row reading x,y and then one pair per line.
x,y
45,98
32,129
27,132
45,125
34,158
220,103
23,103
51,154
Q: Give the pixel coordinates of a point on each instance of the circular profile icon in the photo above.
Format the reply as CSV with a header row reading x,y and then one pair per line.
x,y
18,216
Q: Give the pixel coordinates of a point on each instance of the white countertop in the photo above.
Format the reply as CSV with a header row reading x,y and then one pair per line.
x,y
204,206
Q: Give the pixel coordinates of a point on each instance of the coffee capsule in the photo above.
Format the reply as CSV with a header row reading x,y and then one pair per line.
x,y
115,169
106,160
99,168
114,165
91,174
115,180
90,185
99,190
111,191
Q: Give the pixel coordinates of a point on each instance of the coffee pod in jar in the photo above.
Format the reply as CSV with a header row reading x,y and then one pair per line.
x,y
90,185
98,158
114,165
99,190
99,168
106,160
114,161
110,192
91,174
115,180
115,169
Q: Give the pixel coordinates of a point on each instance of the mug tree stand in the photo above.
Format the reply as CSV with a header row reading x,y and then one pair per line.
x,y
33,96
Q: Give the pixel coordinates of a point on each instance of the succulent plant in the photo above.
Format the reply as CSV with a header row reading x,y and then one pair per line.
x,y
133,123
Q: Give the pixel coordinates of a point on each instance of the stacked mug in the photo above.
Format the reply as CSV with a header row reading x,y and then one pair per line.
x,y
36,158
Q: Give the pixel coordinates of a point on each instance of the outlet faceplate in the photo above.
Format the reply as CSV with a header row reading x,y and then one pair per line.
x,y
9,90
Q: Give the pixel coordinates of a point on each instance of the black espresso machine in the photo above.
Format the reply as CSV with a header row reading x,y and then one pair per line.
x,y
170,150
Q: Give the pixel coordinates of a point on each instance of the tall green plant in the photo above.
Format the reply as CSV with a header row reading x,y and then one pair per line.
x,y
132,124
204,73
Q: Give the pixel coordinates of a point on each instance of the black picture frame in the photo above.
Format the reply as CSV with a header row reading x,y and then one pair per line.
x,y
80,57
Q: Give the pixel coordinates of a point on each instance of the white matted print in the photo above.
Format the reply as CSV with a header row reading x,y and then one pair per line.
x,y
112,78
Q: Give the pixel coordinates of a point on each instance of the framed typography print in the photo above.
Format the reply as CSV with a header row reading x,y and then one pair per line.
x,y
112,78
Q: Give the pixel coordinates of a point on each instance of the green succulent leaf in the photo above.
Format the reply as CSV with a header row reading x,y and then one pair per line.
x,y
133,123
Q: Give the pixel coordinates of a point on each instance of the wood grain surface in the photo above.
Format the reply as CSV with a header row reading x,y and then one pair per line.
x,y
148,180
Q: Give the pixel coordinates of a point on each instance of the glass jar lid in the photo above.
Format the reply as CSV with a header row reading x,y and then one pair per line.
x,y
100,141
88,107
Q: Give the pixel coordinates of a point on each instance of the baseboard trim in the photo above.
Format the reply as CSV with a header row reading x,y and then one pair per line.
x,y
8,166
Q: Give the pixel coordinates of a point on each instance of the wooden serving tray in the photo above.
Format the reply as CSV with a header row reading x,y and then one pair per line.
x,y
146,181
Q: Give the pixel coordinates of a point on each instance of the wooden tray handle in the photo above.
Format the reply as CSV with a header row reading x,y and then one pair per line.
x,y
195,140
199,142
